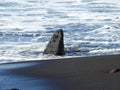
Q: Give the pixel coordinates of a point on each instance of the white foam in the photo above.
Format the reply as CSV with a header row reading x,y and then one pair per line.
x,y
38,15
22,1
109,1
105,51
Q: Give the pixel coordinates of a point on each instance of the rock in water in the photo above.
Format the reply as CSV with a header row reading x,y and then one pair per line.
x,y
56,44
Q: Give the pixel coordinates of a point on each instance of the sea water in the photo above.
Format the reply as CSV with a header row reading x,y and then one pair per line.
x,y
91,28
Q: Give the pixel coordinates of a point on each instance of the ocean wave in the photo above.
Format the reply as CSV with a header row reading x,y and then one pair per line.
x,y
91,27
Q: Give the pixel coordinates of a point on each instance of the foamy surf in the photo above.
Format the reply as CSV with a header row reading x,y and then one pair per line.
x,y
91,27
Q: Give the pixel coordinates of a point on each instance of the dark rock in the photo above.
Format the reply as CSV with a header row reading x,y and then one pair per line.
x,y
56,44
117,17
13,89
114,70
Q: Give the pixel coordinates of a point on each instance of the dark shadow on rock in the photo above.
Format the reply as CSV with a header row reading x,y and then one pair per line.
x,y
56,44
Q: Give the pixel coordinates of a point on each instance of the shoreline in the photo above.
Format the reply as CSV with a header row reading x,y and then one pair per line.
x,y
60,58
85,73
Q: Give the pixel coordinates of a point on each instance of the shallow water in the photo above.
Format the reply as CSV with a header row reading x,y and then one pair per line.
x,y
91,28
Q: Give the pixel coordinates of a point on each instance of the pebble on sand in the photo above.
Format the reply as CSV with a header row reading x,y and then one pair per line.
x,y
114,70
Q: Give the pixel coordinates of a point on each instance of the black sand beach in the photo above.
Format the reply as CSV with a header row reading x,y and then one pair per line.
x,y
83,73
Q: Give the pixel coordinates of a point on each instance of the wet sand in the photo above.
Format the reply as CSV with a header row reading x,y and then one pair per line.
x,y
83,73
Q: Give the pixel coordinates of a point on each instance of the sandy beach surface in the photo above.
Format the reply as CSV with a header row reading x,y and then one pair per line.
x,y
83,73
